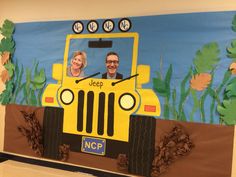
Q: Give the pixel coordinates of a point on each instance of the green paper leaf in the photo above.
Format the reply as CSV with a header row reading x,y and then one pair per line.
x,y
234,24
167,80
39,86
168,75
232,50
159,86
40,77
7,44
206,58
159,75
221,110
212,93
226,103
228,111
5,96
39,80
33,100
10,68
28,80
36,64
7,29
26,93
231,88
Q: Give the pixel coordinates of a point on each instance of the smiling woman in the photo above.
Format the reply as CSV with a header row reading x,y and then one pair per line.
x,y
77,64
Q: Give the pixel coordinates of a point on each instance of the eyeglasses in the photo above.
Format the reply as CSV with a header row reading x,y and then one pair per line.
x,y
115,62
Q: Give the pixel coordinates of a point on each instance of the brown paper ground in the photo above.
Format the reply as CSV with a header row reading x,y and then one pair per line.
x,y
211,156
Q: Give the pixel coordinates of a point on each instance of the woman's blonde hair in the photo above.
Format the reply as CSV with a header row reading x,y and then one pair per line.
x,y
84,57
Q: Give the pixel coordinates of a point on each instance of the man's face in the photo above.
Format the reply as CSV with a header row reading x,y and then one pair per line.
x,y
112,64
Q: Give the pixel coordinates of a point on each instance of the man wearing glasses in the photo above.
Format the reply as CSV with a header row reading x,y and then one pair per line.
x,y
112,64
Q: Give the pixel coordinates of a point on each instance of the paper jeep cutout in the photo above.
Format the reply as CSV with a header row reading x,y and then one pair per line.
x,y
96,106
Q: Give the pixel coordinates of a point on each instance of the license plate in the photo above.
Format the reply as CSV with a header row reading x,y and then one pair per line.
x,y
93,145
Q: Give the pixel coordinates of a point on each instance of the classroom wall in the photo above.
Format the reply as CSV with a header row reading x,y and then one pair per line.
x,y
45,10
41,10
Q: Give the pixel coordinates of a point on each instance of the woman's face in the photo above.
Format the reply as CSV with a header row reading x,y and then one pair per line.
x,y
77,62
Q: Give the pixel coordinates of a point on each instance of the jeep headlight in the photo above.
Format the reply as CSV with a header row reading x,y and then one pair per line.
x,y
67,96
127,101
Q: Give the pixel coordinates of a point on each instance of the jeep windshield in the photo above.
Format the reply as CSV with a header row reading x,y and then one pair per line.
x,y
95,50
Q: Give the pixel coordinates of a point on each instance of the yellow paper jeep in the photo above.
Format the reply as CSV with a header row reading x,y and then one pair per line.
x,y
105,117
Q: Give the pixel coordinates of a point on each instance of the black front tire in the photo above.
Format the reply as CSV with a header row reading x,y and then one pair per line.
x,y
52,132
141,144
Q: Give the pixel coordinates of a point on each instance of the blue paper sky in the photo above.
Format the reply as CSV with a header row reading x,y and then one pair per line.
x,y
174,38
